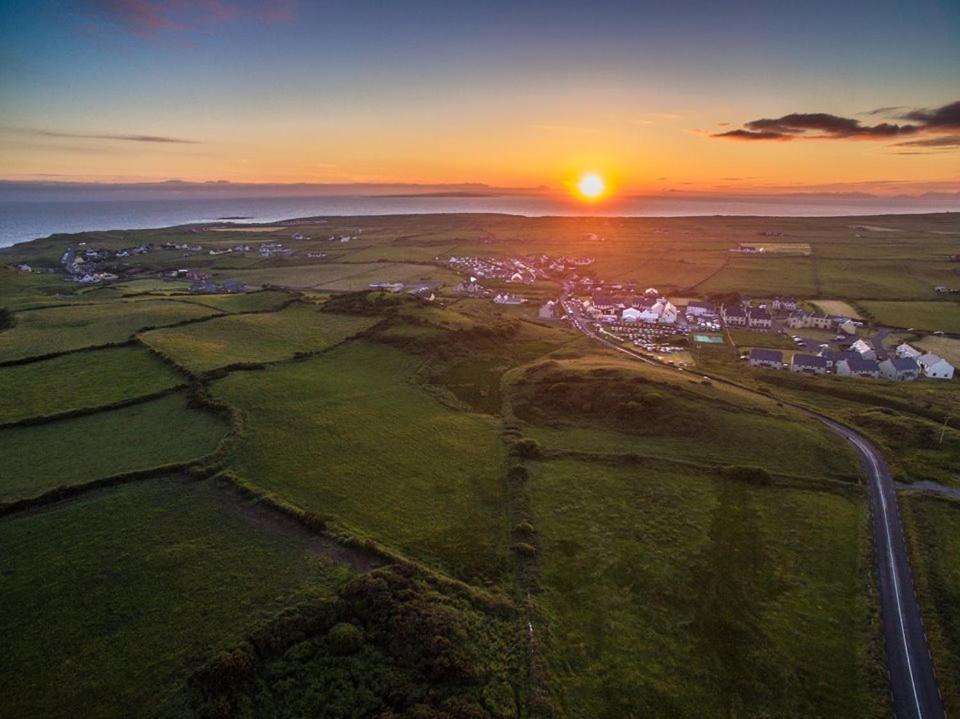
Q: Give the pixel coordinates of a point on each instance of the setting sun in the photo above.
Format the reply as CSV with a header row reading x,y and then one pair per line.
x,y
591,186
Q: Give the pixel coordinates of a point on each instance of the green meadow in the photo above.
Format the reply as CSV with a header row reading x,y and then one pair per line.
x,y
253,338
944,315
81,381
676,595
111,600
377,453
58,329
38,458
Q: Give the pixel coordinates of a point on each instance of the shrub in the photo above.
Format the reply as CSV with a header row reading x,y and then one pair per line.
x,y
345,639
518,474
524,549
527,448
7,320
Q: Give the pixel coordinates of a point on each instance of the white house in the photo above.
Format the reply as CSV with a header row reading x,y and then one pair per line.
x,y
905,350
900,369
864,349
935,366
631,314
548,310
847,327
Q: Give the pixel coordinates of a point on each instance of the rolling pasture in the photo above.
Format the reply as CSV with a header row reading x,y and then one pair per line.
x,y
376,453
676,595
59,329
254,338
83,380
37,458
111,600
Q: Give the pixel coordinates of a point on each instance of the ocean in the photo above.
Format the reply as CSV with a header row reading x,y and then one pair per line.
x,y
21,221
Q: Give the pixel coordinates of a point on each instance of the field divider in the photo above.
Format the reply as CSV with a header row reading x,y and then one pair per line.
x,y
53,355
85,411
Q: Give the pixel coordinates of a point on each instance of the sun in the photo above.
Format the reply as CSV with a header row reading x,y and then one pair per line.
x,y
591,186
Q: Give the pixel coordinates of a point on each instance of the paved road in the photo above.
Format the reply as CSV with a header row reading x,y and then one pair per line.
x,y
913,683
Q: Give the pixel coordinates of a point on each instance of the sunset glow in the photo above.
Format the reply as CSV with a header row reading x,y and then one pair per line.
x,y
591,186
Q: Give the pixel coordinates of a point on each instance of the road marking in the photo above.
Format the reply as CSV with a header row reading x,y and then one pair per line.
x,y
875,467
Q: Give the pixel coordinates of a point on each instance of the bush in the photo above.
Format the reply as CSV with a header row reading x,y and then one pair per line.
x,y
345,639
751,475
7,320
518,474
527,448
524,549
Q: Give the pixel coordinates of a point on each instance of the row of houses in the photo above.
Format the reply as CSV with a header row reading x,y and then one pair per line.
x,y
753,317
852,364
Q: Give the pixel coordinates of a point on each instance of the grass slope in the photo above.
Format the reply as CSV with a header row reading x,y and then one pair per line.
x,y
943,315
80,381
37,458
57,329
673,595
252,338
111,600
377,453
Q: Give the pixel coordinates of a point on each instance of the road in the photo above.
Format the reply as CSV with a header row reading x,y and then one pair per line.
x,y
913,683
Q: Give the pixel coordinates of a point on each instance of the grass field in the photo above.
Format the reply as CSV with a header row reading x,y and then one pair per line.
x,y
111,600
377,453
837,307
933,531
81,380
341,277
37,458
943,315
946,347
40,332
764,276
677,596
262,337
246,302
674,418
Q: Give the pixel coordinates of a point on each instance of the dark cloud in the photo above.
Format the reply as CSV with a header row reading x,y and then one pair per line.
x,y
160,139
145,17
942,141
824,126
884,111
947,116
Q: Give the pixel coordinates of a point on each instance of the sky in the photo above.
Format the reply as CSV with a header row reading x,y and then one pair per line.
x,y
691,96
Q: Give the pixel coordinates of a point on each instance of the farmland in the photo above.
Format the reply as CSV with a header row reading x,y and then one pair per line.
x,y
252,338
38,458
80,381
60,329
943,315
661,588
380,456
125,588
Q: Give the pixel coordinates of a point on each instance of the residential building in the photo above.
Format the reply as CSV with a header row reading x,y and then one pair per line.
x,y
858,367
935,366
631,314
865,349
784,304
905,350
760,319
900,369
772,359
696,308
548,310
813,364
735,316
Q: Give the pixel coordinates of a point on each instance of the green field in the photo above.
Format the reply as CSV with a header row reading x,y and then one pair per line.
x,y
57,329
944,315
81,381
252,338
933,532
38,458
111,600
377,453
675,595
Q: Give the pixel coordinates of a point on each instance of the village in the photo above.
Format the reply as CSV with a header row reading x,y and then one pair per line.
x,y
673,329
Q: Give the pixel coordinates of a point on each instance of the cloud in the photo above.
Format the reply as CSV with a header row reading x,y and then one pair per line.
x,y
146,17
942,141
159,139
825,126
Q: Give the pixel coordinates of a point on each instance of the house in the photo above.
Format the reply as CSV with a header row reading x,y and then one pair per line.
x,y
699,309
759,319
900,369
813,364
198,276
548,311
804,320
847,327
507,299
24,267
233,286
785,304
631,314
935,366
765,358
858,367
905,350
864,349
833,358
735,316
